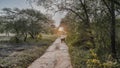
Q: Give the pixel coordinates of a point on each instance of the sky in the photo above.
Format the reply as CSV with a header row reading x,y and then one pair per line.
x,y
22,4
13,4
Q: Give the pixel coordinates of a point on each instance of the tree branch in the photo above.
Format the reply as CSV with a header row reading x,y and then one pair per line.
x,y
107,5
74,12
117,3
86,13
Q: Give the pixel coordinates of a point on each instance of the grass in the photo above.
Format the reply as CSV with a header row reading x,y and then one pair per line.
x,y
22,55
82,58
22,59
78,56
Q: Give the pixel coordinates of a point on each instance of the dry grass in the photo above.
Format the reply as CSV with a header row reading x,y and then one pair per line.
x,y
22,55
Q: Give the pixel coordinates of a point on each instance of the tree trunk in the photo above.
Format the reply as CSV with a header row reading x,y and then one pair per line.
x,y
87,23
17,40
113,43
25,38
32,35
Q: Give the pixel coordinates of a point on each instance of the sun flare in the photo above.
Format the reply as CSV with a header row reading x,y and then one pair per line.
x,y
61,29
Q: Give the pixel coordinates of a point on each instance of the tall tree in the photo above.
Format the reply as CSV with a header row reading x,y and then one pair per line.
x,y
113,31
111,9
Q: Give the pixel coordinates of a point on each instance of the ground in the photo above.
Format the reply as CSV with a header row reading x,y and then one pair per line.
x,y
56,56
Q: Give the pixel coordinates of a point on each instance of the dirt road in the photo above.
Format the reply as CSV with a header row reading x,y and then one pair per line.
x,y
56,56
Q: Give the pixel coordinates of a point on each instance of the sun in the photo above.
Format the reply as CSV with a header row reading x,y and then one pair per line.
x,y
61,29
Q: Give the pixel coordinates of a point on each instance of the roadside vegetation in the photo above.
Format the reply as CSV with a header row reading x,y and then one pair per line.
x,y
93,33
25,36
21,55
81,47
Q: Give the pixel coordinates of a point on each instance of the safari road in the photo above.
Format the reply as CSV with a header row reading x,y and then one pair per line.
x,y
56,56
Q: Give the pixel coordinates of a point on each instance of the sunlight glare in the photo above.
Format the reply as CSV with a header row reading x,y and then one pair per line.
x,y
61,29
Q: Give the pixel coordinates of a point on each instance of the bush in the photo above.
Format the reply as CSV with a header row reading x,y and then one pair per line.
x,y
23,59
39,36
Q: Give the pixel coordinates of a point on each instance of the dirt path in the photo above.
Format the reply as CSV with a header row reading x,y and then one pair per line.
x,y
56,56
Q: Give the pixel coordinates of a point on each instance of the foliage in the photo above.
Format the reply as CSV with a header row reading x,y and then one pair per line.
x,y
99,31
32,50
24,23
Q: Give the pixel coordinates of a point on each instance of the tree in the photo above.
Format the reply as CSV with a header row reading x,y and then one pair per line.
x,y
90,20
24,22
111,9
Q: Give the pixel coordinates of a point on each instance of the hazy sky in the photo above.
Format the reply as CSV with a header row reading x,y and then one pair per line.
x,y
24,4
